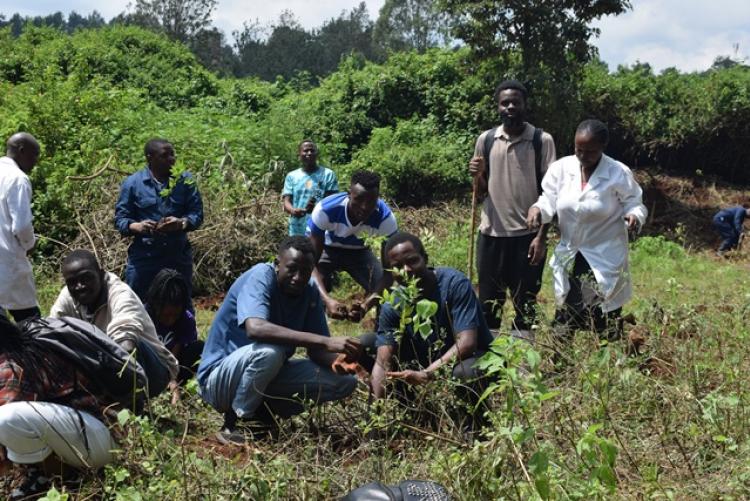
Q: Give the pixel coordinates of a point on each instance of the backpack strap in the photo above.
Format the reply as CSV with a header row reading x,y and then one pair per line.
x,y
536,141
489,140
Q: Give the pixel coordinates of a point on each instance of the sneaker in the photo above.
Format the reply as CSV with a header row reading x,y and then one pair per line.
x,y
229,436
34,484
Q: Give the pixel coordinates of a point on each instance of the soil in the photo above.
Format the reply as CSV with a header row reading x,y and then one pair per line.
x,y
681,208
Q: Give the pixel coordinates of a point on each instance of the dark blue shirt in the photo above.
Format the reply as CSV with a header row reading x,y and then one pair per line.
x,y
256,294
141,199
458,310
733,216
182,333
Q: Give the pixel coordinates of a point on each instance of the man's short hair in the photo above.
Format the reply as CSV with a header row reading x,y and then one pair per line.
x,y
298,243
299,147
367,179
596,129
83,255
399,238
153,145
514,85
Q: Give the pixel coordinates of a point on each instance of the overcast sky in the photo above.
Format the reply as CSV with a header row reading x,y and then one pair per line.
x,y
687,34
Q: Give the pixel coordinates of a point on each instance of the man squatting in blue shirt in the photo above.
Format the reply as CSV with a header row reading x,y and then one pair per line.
x,y
270,310
728,222
335,229
306,186
157,219
459,323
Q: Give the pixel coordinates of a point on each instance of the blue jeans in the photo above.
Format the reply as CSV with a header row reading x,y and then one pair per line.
x,y
142,267
730,236
261,373
156,372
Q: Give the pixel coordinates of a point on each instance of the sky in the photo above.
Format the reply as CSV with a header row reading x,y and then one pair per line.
x,y
686,34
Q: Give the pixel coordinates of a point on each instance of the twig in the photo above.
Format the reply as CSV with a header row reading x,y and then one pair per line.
x,y
91,240
54,241
433,435
91,176
520,461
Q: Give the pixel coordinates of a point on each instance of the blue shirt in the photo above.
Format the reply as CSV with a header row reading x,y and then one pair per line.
x,y
182,333
301,186
140,199
329,218
458,310
256,294
733,216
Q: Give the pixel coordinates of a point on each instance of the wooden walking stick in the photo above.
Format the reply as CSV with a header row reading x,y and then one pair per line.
x,y
473,229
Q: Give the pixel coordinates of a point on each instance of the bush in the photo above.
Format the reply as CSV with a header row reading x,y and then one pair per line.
x,y
695,122
417,164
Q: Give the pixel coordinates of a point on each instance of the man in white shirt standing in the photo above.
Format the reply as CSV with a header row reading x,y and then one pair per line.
x,y
17,290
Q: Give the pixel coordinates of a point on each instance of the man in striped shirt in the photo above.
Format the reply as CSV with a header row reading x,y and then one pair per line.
x,y
337,227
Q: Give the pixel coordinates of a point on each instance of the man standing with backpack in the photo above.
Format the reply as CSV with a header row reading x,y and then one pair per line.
x,y
508,165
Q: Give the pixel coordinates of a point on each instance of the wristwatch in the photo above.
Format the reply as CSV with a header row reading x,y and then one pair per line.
x,y
184,223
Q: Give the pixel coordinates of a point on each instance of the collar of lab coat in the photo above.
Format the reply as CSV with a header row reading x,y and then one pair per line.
x,y
602,173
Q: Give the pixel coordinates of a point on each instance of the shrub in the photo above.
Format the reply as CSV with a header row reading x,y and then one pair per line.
x,y
418,164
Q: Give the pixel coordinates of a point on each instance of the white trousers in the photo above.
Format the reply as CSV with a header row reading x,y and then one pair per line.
x,y
31,431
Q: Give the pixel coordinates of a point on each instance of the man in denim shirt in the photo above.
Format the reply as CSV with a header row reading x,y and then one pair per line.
x,y
158,210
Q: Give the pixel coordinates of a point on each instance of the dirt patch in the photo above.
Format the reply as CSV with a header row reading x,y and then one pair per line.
x,y
681,208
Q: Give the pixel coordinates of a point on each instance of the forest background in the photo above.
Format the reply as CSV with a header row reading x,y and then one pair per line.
x,y
406,96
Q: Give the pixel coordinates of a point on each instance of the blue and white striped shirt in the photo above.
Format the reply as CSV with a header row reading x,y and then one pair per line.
x,y
330,218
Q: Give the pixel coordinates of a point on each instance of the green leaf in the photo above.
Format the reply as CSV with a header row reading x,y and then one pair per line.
x,y
426,308
542,486
606,476
609,450
549,395
533,358
539,462
123,417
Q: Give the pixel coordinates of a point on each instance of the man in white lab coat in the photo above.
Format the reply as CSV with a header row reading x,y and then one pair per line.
x,y
17,291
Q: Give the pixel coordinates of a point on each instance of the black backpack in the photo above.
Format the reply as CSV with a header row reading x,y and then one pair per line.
x,y
113,371
536,141
408,490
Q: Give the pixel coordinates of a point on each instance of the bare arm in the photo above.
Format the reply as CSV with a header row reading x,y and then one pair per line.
x,y
478,170
267,332
333,308
321,357
382,365
464,347
290,209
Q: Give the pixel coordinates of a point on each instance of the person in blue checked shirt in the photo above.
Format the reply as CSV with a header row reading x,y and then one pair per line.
x,y
728,222
306,186
158,217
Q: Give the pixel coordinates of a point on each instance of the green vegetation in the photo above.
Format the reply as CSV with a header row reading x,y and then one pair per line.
x,y
661,417
664,419
102,93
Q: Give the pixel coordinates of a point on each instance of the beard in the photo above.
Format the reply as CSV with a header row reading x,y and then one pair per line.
x,y
508,121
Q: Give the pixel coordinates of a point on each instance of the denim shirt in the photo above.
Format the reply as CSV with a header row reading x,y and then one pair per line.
x,y
140,200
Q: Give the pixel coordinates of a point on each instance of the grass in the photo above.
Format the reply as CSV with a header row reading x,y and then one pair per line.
x,y
670,422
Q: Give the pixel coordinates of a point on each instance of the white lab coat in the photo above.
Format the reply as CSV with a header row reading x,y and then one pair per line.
x,y
17,291
591,222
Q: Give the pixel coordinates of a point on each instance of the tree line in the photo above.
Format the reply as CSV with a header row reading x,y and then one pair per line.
x,y
282,48
543,30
